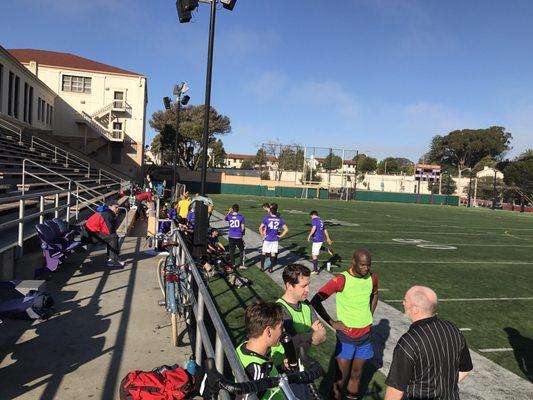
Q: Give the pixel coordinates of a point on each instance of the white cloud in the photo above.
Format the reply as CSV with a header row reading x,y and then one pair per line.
x,y
243,43
267,85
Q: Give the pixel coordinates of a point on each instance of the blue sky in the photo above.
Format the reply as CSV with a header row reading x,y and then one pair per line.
x,y
380,76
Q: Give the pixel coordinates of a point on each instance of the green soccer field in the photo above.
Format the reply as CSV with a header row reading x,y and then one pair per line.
x,y
472,258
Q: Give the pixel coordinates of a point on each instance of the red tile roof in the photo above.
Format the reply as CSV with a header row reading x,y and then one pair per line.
x,y
66,60
238,156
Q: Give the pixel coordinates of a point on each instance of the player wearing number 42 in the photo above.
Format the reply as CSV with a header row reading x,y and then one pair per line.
x,y
269,229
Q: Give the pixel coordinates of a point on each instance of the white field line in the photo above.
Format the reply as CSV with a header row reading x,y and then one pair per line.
x,y
489,262
516,237
499,349
465,329
416,232
440,244
477,228
475,299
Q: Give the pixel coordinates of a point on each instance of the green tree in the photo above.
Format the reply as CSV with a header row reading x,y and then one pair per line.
x,y
365,163
190,134
218,153
405,166
388,166
260,159
248,164
486,161
520,175
465,148
448,186
485,188
332,162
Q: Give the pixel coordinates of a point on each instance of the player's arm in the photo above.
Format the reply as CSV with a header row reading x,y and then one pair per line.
x,y
374,296
393,394
284,232
328,239
262,229
221,246
332,286
311,233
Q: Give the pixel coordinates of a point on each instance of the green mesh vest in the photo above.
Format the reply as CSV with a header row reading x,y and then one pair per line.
x,y
301,320
353,303
247,359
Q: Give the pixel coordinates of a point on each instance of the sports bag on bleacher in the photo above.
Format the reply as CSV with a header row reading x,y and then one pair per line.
x,y
34,305
163,383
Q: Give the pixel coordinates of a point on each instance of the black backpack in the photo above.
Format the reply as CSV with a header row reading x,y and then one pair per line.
x,y
34,305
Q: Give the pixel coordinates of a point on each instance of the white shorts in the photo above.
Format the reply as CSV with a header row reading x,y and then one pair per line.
x,y
270,247
316,248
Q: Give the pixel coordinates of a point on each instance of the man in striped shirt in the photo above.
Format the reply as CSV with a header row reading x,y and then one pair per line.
x,y
432,357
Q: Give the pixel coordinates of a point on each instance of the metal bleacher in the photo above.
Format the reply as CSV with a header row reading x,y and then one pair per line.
x,y
39,180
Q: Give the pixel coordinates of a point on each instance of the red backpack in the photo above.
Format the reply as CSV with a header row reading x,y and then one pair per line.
x,y
164,383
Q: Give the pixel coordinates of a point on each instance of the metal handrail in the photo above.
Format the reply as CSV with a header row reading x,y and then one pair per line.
x,y
223,347
87,189
67,155
11,127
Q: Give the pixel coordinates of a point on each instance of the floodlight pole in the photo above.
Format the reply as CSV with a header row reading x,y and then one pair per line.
x,y
355,180
176,143
494,190
208,95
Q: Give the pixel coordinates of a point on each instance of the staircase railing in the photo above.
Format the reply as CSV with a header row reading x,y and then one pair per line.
x,y
101,110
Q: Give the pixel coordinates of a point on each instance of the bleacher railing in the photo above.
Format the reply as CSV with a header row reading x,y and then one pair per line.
x,y
219,347
12,128
60,154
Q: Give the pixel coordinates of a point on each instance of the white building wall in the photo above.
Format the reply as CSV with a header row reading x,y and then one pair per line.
x,y
40,91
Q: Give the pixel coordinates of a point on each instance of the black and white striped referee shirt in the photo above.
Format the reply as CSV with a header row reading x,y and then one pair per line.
x,y
427,360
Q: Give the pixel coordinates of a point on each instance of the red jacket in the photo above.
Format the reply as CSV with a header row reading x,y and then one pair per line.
x,y
102,222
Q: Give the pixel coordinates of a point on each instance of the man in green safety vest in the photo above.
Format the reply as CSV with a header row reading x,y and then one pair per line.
x,y
300,321
264,323
356,292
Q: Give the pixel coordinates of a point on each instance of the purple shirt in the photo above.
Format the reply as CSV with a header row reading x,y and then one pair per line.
x,y
318,236
272,223
235,221
191,219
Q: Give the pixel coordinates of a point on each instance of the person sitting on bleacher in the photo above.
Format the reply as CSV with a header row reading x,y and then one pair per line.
x,y
102,227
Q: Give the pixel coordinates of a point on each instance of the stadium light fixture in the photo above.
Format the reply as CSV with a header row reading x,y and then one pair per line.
x,y
178,91
184,8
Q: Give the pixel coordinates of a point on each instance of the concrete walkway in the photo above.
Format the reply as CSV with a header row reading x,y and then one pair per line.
x,y
107,325
488,381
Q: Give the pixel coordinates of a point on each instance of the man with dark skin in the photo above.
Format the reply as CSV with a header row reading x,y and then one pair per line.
x,y
356,299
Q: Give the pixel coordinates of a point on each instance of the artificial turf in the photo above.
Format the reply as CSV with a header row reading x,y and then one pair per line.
x,y
485,254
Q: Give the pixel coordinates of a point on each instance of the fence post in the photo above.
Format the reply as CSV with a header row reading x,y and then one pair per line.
x,y
219,354
55,154
56,212
41,209
66,160
67,214
77,201
199,320
21,226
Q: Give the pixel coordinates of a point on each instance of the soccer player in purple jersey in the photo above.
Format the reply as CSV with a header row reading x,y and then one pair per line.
x,y
317,233
269,229
235,233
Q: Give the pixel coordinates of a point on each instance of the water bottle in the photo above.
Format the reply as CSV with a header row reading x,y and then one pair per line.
x,y
190,366
290,351
328,266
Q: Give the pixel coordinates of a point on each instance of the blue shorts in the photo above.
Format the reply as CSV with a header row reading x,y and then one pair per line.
x,y
350,351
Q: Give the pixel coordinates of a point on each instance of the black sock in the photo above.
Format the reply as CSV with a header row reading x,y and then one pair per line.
x,y
273,261
262,261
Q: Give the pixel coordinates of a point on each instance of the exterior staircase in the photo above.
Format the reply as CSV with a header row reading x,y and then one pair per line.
x,y
101,121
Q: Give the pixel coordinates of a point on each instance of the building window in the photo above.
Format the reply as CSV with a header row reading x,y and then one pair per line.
x,y
42,110
38,108
25,104
47,113
77,84
16,100
30,106
51,115
10,94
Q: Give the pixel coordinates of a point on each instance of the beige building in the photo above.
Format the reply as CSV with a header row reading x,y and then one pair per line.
x,y
97,108
24,99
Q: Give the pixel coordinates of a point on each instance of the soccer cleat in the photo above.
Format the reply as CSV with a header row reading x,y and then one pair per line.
x,y
243,267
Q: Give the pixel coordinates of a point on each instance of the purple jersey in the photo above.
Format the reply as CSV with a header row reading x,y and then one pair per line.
x,y
318,236
191,219
272,223
235,221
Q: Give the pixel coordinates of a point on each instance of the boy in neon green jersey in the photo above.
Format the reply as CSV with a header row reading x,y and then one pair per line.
x,y
356,293
264,322
299,319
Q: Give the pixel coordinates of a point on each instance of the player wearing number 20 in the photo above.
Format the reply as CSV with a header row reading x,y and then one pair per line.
x,y
269,229
235,234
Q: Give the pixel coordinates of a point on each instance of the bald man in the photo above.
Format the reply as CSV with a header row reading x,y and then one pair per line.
x,y
432,357
356,292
